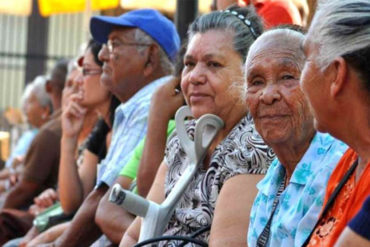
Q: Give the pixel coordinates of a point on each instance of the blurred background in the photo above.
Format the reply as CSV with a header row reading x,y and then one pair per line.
x,y
34,34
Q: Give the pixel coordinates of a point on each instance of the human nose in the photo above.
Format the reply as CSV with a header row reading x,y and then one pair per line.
x,y
103,53
270,94
197,75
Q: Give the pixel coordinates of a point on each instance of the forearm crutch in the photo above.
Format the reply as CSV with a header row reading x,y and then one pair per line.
x,y
156,216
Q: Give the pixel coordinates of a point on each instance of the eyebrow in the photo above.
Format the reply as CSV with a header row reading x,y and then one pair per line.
x,y
287,63
188,57
283,64
119,38
210,56
253,71
205,57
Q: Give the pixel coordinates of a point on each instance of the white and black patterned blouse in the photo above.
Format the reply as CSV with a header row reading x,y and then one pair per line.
x,y
241,152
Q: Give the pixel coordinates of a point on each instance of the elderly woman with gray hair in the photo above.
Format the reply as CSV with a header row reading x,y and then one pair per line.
x,y
290,195
36,106
213,73
336,80
37,103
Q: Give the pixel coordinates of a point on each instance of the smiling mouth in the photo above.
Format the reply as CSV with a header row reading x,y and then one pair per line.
x,y
273,117
197,97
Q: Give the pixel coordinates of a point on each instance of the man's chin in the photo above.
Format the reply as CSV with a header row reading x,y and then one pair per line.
x,y
106,81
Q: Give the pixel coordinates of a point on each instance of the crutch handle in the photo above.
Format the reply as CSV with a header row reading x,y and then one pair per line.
x,y
133,203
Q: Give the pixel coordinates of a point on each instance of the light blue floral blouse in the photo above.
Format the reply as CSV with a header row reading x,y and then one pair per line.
x,y
301,201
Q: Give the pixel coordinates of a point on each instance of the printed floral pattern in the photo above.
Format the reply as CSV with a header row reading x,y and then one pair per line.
x,y
301,201
241,152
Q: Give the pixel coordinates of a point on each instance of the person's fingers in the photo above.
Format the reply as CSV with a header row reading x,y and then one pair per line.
x,y
47,198
48,202
39,202
72,112
54,196
50,193
75,110
179,99
75,104
173,84
77,97
80,108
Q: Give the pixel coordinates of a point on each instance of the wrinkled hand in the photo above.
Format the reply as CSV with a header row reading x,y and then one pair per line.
x,y
35,210
46,198
31,244
40,241
167,99
31,234
48,237
73,116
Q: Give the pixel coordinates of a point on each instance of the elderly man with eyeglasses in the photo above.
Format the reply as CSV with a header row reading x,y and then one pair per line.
x,y
139,47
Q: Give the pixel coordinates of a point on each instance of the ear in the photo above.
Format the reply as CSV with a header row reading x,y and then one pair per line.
x,y
340,77
47,111
48,87
152,60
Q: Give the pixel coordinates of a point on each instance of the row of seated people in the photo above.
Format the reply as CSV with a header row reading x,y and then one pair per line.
x,y
36,109
268,177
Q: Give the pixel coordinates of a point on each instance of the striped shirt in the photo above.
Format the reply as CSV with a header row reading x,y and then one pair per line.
x,y
129,127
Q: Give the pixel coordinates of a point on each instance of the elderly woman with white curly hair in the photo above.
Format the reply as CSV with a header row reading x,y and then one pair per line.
x,y
290,196
36,106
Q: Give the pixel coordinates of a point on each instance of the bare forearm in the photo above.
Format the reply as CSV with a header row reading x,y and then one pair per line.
x,y
153,153
112,219
120,221
20,195
49,235
350,238
132,235
83,230
70,188
229,228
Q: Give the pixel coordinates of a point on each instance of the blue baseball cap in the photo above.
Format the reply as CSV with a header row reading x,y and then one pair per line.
x,y
151,21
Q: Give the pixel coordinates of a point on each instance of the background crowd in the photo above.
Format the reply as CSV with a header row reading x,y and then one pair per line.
x,y
289,167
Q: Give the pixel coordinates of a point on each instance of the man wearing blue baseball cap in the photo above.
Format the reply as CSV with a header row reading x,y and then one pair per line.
x,y
139,49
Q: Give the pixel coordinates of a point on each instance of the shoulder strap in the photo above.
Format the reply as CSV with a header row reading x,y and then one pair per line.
x,y
332,197
263,238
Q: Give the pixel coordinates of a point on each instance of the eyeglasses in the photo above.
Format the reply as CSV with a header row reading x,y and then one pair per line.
x,y
88,71
113,45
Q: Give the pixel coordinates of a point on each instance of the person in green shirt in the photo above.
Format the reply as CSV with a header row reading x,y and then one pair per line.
x,y
132,167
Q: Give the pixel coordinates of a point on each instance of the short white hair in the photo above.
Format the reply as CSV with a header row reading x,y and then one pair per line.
x,y
288,34
165,63
38,87
340,27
